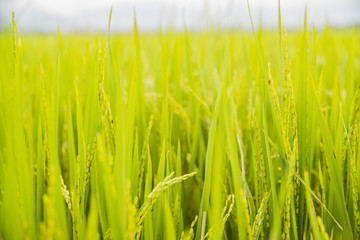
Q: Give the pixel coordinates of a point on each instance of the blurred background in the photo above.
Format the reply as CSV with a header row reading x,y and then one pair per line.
x,y
45,16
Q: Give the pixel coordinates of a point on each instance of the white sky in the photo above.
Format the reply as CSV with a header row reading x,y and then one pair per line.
x,y
92,15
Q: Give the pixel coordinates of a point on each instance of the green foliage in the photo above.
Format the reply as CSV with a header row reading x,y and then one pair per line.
x,y
180,135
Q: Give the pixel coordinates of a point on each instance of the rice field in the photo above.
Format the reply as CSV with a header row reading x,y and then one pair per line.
x,y
221,134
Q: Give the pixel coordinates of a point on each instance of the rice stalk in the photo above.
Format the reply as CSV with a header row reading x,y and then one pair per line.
x,y
155,193
66,194
191,231
354,178
258,223
89,163
229,205
289,196
106,116
289,110
143,158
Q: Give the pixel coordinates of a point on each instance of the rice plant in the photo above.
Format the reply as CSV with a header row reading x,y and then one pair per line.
x,y
180,135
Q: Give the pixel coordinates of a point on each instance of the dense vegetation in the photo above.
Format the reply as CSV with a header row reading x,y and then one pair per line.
x,y
180,135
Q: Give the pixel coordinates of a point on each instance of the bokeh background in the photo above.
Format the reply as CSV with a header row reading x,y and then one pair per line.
x,y
46,16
